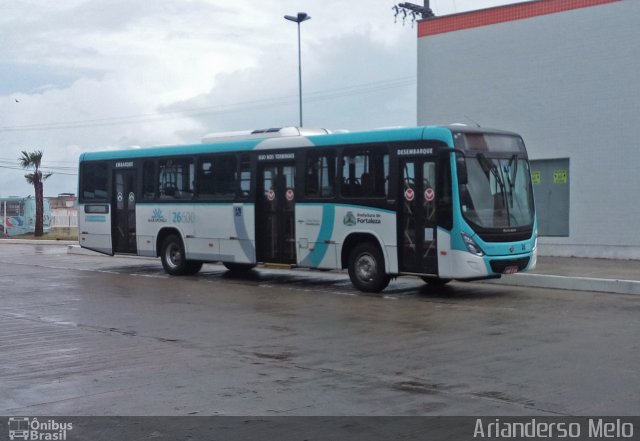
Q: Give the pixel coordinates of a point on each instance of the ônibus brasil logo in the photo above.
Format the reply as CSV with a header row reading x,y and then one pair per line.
x,y
31,429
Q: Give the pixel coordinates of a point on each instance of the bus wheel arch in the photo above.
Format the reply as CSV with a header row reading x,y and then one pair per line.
x,y
162,235
172,254
365,260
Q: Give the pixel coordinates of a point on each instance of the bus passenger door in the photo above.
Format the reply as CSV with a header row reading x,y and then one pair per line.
x,y
123,225
417,218
275,213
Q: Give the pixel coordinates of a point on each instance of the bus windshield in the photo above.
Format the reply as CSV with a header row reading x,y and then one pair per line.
x,y
498,192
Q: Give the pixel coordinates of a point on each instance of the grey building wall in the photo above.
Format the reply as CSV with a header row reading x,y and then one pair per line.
x,y
569,83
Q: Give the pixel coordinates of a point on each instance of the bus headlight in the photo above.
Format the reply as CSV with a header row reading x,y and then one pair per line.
x,y
472,247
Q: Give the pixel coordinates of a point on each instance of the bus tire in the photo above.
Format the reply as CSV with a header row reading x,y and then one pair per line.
x,y
193,267
173,258
366,268
238,267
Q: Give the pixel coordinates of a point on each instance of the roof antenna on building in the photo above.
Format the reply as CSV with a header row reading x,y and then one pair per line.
x,y
473,121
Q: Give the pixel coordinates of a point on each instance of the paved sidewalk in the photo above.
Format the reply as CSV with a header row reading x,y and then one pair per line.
x,y
580,274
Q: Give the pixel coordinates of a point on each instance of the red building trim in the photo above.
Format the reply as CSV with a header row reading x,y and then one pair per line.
x,y
501,14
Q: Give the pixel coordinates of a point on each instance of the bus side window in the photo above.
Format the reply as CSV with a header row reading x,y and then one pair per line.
x,y
148,180
320,175
205,178
244,178
176,178
94,182
224,177
217,178
364,173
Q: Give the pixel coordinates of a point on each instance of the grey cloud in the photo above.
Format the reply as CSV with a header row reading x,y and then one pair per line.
x,y
349,82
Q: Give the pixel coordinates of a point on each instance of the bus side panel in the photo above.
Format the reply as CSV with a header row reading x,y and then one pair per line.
x,y
315,225
151,218
445,269
224,232
148,224
235,225
379,223
95,228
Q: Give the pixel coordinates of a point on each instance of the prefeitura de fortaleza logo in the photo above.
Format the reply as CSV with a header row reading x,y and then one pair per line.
x,y
27,428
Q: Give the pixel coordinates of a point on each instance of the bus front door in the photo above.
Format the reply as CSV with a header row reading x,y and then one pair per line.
x,y
417,217
275,213
123,229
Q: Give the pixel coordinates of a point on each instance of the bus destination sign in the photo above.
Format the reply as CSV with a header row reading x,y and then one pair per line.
x,y
415,152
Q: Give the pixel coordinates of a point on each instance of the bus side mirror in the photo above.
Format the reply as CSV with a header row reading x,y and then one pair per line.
x,y
461,168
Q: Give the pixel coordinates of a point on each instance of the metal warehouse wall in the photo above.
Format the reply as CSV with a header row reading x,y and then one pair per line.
x,y
569,82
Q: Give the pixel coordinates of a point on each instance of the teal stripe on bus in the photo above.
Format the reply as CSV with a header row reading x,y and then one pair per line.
x,y
324,235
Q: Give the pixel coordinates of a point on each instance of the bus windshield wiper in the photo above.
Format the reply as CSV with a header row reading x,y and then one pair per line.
x,y
513,171
489,166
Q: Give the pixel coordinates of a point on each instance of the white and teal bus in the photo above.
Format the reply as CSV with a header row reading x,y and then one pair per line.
x,y
440,203
18,216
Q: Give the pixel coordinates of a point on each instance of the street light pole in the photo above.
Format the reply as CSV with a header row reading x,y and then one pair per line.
x,y
302,16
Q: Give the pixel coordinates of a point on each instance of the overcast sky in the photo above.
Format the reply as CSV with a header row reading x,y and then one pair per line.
x,y
86,75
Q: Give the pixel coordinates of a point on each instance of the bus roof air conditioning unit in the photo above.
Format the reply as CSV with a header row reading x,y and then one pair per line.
x,y
262,134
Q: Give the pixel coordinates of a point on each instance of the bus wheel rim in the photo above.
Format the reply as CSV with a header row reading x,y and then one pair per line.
x,y
366,267
174,256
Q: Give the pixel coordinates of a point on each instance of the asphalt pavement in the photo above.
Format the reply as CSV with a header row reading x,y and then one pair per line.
x,y
569,273
94,335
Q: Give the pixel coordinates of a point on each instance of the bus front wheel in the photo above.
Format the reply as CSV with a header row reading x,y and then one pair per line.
x,y
366,268
173,258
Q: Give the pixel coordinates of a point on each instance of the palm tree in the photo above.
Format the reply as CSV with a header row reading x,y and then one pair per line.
x,y
32,160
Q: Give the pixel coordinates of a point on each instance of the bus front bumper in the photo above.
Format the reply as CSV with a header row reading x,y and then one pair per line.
x,y
462,265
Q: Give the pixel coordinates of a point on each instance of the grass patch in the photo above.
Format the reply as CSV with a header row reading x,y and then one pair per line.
x,y
53,234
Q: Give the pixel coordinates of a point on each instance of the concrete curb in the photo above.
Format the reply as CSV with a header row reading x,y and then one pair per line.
x,y
616,286
76,249
38,242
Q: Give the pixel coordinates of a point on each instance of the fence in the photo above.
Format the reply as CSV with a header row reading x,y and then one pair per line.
x,y
64,218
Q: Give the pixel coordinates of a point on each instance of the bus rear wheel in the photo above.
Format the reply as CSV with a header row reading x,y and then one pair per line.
x,y
366,268
173,258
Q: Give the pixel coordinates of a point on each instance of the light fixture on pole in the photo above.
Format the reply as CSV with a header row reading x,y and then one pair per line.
x,y
302,16
405,9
